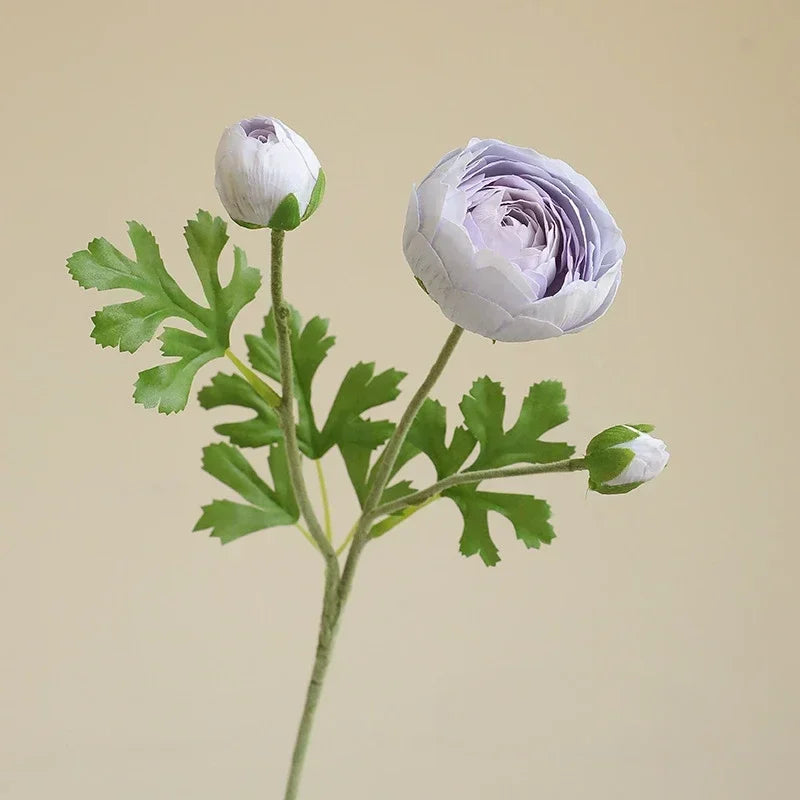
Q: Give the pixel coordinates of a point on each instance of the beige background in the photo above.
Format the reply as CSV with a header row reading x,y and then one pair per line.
x,y
651,652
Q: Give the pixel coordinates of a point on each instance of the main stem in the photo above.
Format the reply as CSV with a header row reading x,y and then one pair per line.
x,y
337,589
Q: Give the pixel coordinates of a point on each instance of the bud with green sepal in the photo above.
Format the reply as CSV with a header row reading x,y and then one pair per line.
x,y
623,457
267,176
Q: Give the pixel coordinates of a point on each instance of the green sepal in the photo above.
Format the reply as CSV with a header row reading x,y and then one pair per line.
x,y
602,488
286,216
251,226
605,464
643,427
619,434
317,193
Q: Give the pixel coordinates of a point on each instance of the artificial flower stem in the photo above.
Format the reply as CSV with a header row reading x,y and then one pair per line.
x,y
264,391
569,465
326,506
383,470
337,589
331,611
387,460
286,407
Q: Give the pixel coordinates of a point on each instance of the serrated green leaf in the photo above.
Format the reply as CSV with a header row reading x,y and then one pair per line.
x,y
360,390
233,390
229,520
130,324
543,409
397,491
167,386
227,464
428,433
310,346
529,516
360,437
268,507
475,537
356,437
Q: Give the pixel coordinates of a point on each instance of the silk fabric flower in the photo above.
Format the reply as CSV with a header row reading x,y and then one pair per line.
x,y
266,174
511,244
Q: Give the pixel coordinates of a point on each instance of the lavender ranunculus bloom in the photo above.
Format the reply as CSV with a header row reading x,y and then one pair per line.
x,y
511,244
266,174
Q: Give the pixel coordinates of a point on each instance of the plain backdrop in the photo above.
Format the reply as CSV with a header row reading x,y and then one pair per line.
x,y
650,652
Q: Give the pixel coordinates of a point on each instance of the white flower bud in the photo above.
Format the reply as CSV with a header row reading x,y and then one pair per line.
x,y
623,457
266,174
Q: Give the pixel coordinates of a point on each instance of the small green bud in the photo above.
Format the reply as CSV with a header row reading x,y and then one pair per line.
x,y
623,457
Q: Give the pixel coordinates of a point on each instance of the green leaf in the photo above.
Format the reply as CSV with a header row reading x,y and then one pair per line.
x,y
529,516
279,468
397,491
233,390
227,464
310,346
229,520
268,507
129,325
360,437
427,434
167,386
475,538
355,436
360,390
543,409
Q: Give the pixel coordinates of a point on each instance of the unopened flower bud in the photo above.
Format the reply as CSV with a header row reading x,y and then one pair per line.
x,y
623,457
266,175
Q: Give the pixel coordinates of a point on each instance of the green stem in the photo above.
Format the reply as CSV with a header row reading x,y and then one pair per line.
x,y
337,589
383,471
389,455
264,390
326,506
286,407
424,495
331,610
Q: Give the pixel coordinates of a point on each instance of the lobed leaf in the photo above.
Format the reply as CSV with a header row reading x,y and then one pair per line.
x,y
128,325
